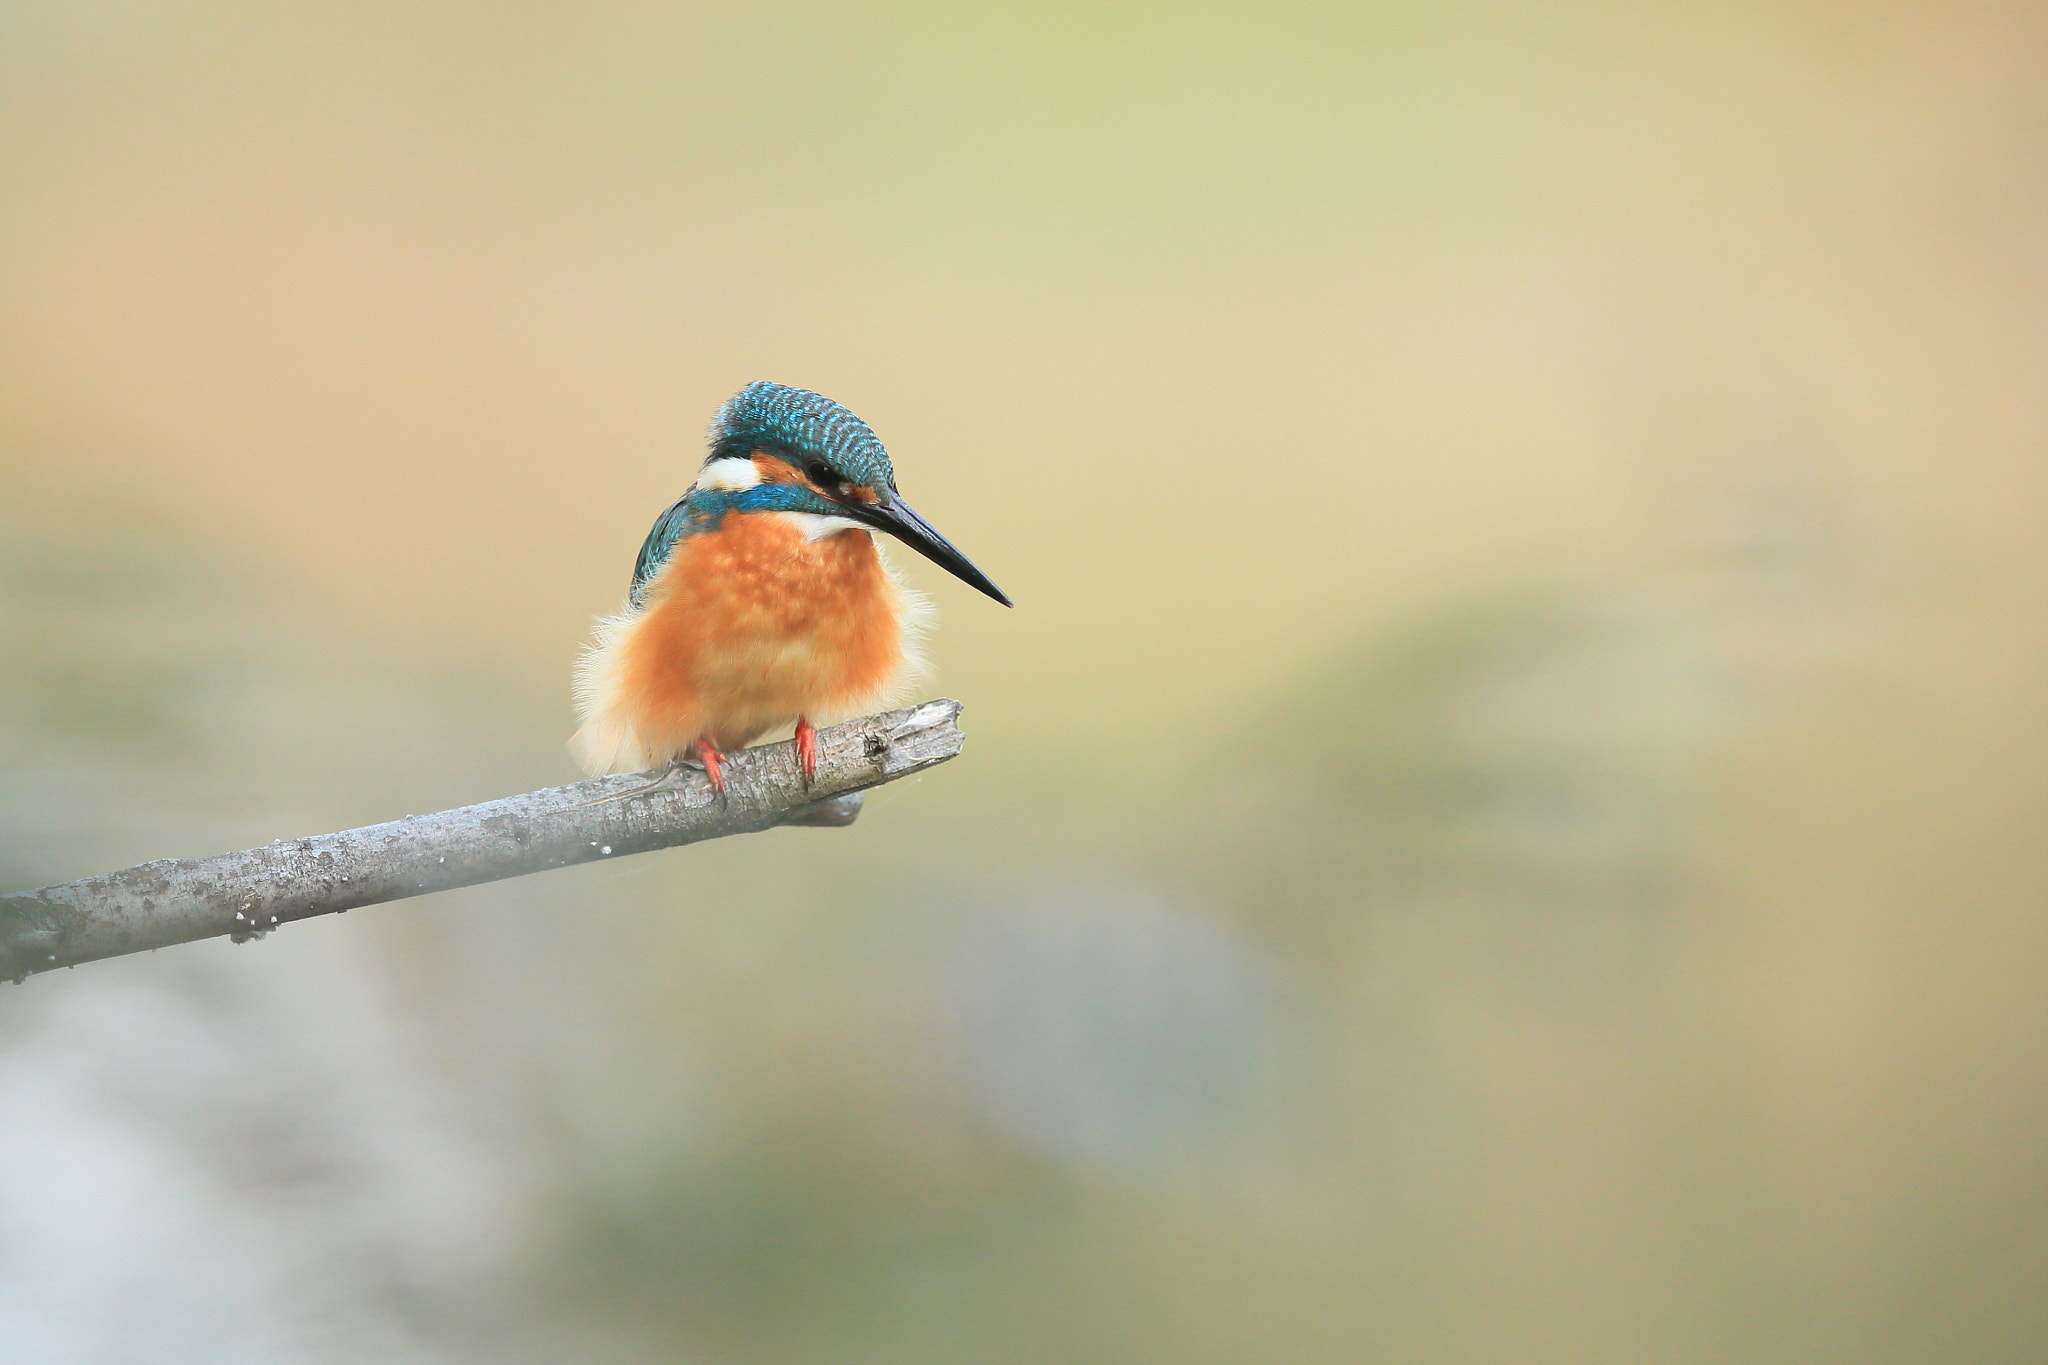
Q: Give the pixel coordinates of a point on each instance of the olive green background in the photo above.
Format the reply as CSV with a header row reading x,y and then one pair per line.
x,y
1509,822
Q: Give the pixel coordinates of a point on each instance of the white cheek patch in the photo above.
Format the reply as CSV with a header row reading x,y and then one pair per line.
x,y
817,527
729,475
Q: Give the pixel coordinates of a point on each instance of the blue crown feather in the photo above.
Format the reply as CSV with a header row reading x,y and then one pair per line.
x,y
807,425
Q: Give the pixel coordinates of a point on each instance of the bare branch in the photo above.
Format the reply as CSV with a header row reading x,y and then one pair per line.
x,y
247,894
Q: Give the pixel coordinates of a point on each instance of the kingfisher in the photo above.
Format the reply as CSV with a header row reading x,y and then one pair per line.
x,y
760,598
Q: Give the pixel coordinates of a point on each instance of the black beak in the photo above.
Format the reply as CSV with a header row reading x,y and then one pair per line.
x,y
890,513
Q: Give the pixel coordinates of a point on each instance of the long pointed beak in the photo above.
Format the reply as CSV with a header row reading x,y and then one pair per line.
x,y
893,515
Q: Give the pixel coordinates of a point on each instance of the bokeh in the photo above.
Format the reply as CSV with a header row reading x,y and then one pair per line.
x,y
1509,821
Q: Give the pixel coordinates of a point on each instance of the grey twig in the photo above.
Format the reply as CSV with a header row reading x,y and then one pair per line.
x,y
247,894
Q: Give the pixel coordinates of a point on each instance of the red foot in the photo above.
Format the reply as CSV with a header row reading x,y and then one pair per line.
x,y
708,756
806,750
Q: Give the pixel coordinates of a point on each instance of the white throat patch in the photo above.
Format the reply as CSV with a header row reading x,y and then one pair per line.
x,y
816,526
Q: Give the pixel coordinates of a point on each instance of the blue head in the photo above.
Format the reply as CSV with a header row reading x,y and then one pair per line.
x,y
778,449
809,430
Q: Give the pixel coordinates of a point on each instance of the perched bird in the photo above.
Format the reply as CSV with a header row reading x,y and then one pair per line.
x,y
760,598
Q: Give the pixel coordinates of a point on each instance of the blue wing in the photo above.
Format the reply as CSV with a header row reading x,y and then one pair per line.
x,y
671,526
704,509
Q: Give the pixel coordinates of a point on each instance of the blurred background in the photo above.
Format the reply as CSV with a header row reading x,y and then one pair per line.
x,y
1509,822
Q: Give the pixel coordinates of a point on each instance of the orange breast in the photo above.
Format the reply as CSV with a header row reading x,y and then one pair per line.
x,y
751,626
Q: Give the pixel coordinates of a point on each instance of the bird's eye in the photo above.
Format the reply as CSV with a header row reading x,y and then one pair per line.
x,y
823,475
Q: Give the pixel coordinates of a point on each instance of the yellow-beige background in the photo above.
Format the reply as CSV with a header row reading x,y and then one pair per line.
x,y
1507,823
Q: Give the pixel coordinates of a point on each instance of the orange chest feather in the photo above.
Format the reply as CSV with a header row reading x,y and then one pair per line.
x,y
757,574
754,608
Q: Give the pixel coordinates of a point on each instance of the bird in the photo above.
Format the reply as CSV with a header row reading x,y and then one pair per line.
x,y
760,598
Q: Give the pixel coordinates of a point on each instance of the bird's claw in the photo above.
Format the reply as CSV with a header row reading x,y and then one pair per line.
x,y
806,752
714,771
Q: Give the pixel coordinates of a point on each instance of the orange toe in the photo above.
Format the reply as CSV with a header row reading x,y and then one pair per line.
x,y
708,756
806,750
